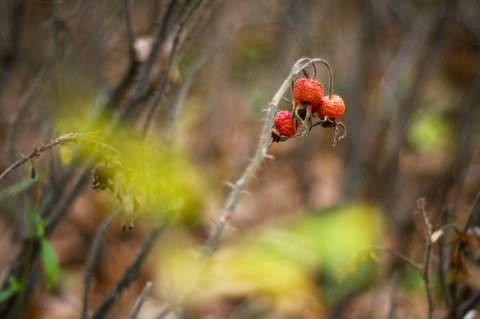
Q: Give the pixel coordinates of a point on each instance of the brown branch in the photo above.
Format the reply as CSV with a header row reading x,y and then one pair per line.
x,y
92,258
166,72
129,275
140,300
428,254
140,87
71,137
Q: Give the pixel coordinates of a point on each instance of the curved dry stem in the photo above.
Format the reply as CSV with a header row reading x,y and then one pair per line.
x,y
259,156
330,75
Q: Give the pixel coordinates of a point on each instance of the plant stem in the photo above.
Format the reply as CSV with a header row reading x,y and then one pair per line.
x,y
330,75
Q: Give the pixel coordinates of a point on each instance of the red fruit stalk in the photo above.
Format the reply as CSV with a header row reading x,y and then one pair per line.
x,y
332,106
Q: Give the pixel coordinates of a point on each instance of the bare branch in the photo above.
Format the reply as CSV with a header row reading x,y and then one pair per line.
x,y
71,137
129,275
140,86
166,71
140,300
427,227
92,258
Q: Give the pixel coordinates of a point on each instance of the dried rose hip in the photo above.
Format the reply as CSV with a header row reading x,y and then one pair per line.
x,y
333,107
308,91
283,127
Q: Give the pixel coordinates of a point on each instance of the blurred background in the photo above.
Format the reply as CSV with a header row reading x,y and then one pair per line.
x,y
311,238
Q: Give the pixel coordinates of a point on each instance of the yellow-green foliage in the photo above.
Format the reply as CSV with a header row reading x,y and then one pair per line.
x,y
430,132
163,177
278,265
154,173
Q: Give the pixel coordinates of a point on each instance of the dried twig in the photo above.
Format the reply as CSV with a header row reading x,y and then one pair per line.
x,y
427,227
164,81
130,273
393,292
140,300
140,86
400,256
71,137
92,258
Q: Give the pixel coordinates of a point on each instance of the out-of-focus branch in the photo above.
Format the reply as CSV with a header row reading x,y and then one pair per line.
x,y
71,137
166,72
140,87
427,227
130,273
180,98
10,58
140,300
92,258
25,103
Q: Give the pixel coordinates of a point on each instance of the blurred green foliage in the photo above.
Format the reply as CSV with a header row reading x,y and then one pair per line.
x,y
279,264
430,132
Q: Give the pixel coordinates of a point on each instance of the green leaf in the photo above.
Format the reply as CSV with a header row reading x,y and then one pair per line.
x,y
36,225
50,262
17,188
14,287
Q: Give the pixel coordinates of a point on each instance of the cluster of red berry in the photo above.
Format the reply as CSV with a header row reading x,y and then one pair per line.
x,y
309,103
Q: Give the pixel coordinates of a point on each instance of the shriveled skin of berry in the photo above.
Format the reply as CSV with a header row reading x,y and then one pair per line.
x,y
308,91
284,125
333,107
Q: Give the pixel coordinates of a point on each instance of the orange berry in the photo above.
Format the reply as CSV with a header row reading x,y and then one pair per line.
x,y
333,107
308,91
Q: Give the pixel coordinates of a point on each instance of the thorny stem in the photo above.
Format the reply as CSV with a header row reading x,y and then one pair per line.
x,y
71,137
428,252
260,155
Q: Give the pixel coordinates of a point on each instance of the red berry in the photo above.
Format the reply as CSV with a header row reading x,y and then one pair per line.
x,y
284,126
333,107
308,91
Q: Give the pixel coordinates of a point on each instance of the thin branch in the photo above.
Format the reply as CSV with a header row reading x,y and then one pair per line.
x,y
474,214
393,292
92,259
129,275
469,304
25,103
180,98
400,256
166,72
71,137
140,87
140,300
130,37
428,254
10,58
